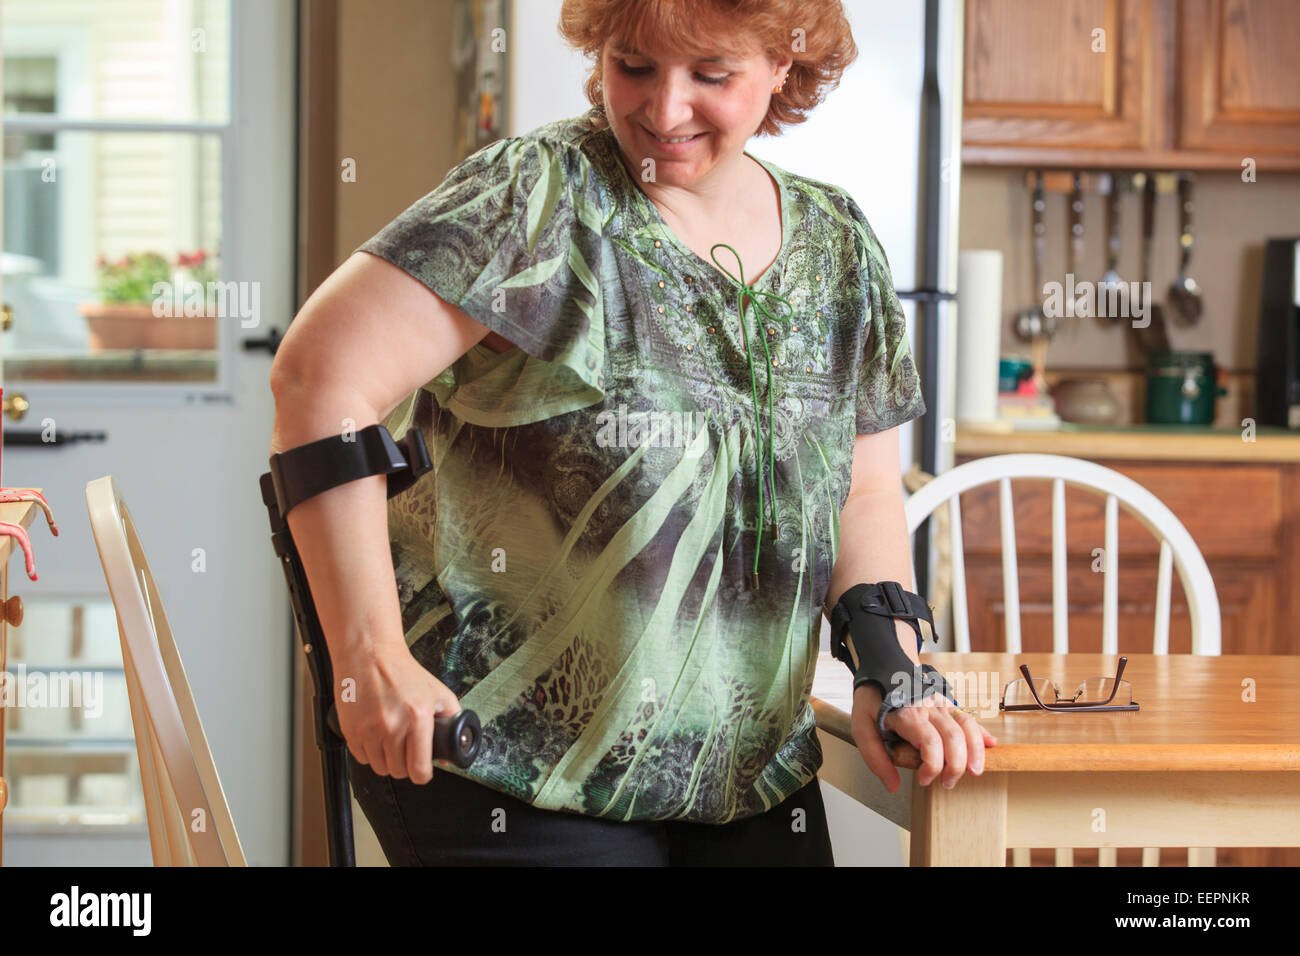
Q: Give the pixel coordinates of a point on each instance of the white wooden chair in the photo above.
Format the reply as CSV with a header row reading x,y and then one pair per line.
x,y
1177,549
189,820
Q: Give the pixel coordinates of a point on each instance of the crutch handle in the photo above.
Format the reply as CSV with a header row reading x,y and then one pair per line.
x,y
456,739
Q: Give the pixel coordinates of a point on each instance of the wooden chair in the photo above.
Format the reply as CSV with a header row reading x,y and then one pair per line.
x,y
1177,550
189,820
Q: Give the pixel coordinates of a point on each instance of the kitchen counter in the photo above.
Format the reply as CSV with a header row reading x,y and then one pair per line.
x,y
1144,442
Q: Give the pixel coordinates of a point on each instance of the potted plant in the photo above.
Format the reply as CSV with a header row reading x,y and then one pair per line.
x,y
149,302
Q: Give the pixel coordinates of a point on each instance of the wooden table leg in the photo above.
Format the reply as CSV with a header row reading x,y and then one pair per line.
x,y
964,826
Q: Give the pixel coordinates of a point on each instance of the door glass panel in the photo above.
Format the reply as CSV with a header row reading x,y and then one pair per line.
x,y
115,117
70,754
147,60
112,257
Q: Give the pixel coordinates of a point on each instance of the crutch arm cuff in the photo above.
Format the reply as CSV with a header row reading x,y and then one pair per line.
x,y
308,470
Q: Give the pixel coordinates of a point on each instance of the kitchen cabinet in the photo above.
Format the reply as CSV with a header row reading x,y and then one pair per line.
x,y
1240,504
1240,82
1129,84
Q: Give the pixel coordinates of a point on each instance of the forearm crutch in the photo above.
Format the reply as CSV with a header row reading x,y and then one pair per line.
x,y
296,475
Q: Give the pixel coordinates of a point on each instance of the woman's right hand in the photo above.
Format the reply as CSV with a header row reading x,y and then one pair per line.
x,y
387,716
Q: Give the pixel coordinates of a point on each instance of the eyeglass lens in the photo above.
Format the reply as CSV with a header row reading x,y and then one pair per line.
x,y
1093,690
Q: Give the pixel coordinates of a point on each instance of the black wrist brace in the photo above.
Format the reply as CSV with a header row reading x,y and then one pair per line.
x,y
864,616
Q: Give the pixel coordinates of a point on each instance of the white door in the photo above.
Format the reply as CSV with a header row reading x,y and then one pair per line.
x,y
137,127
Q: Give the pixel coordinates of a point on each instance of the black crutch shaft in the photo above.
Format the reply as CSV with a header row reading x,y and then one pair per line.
x,y
295,475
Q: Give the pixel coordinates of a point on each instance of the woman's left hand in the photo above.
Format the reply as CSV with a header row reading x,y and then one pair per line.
x,y
950,741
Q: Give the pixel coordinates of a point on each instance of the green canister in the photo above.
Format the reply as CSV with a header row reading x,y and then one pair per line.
x,y
1182,388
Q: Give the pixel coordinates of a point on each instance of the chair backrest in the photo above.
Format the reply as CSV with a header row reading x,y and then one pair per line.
x,y
189,820
1176,547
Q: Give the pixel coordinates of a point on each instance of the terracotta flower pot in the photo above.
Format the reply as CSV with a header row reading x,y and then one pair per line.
x,y
134,326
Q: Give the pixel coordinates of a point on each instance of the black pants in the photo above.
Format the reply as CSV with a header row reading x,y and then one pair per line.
x,y
452,821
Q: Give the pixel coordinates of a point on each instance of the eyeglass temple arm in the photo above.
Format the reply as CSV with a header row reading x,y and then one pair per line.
x,y
1024,669
1119,672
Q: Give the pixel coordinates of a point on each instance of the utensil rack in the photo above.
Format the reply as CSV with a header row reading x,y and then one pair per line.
x,y
1062,181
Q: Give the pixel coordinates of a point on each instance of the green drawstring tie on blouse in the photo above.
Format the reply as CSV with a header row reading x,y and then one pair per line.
x,y
756,296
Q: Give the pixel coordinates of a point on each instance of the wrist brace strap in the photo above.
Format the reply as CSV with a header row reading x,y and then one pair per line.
x,y
884,600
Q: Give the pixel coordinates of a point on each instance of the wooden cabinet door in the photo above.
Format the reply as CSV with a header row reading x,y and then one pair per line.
x,y
1240,77
1072,74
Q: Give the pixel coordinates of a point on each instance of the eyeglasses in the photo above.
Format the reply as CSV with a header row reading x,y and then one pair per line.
x,y
1096,693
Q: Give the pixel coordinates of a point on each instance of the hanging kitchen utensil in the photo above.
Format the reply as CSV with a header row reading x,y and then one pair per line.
x,y
1076,225
1075,240
1185,300
1111,288
1083,400
1151,337
1033,320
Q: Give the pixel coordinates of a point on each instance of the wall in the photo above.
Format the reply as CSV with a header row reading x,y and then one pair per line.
x,y
396,107
546,74
1230,223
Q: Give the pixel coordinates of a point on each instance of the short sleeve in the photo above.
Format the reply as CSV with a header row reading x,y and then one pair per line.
x,y
888,386
513,237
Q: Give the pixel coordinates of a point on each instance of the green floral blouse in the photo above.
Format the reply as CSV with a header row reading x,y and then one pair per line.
x,y
579,566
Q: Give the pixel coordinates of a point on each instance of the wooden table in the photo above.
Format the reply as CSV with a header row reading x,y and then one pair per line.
x,y
23,513
1200,765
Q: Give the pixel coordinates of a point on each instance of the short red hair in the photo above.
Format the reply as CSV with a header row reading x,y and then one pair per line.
x,y
821,51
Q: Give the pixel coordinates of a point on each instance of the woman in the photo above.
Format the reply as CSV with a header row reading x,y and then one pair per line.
x,y
639,357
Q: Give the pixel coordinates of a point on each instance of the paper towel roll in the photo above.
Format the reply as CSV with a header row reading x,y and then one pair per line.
x,y
979,335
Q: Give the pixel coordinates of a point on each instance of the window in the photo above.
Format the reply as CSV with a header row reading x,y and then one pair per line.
x,y
116,123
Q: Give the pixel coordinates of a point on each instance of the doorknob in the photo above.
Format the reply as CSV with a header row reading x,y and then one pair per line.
x,y
6,317
270,343
16,405
13,611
